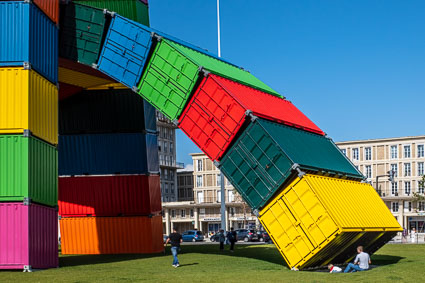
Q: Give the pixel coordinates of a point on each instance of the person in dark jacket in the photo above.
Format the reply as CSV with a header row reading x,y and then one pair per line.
x,y
175,238
232,237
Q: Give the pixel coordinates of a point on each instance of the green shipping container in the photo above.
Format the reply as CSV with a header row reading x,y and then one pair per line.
x,y
264,158
81,32
134,10
173,71
28,169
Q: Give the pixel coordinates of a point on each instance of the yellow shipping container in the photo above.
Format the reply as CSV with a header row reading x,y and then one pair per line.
x,y
28,102
318,220
83,80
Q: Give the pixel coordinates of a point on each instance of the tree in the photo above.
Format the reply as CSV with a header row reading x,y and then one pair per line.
x,y
416,195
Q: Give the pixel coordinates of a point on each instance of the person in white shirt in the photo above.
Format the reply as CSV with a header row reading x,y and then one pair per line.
x,y
361,262
334,269
413,235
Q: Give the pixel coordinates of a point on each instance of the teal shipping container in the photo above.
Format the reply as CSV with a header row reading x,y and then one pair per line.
x,y
267,155
28,169
81,32
173,71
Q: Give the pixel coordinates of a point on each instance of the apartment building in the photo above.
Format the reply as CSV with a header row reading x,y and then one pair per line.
x,y
405,156
203,211
167,157
185,184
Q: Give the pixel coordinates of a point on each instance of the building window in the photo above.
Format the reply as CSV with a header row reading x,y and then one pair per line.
x,y
166,174
172,188
420,150
172,161
191,213
165,147
231,196
407,188
368,153
232,211
421,205
394,189
172,175
420,168
407,171
406,151
344,151
218,196
183,213
394,152
368,171
173,213
161,159
171,147
166,187
218,180
355,154
407,206
394,206
394,168
159,145
199,165
199,181
200,196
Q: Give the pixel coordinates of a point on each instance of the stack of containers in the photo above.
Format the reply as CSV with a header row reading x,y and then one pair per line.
x,y
28,134
109,187
262,143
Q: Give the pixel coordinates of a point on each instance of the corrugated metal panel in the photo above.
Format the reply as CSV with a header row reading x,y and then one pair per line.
x,y
125,51
28,236
81,31
28,168
173,71
310,214
106,111
49,7
134,10
218,110
261,159
109,195
102,154
28,101
111,235
79,79
81,68
32,37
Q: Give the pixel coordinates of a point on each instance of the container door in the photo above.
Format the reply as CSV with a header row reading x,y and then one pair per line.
x,y
168,80
310,212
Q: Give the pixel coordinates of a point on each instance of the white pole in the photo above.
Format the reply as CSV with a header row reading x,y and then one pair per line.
x,y
218,27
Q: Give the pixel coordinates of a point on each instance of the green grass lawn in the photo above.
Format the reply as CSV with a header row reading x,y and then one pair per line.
x,y
204,263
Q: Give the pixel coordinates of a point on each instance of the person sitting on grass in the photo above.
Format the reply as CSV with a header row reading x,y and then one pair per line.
x,y
361,262
334,269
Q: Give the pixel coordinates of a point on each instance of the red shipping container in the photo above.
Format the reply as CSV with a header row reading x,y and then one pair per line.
x,y
218,110
109,195
28,236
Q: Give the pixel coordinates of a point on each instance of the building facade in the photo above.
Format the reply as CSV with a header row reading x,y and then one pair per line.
x,y
203,211
185,184
167,157
405,156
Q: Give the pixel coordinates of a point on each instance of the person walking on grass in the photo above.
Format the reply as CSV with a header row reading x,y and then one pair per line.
x,y
231,236
221,239
361,262
175,238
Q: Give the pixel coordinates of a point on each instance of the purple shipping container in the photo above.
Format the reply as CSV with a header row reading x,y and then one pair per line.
x,y
28,236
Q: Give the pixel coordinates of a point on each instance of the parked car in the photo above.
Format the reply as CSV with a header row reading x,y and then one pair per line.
x,y
263,236
247,235
192,236
214,238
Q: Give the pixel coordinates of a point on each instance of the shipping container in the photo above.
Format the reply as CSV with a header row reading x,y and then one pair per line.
x,y
81,31
81,68
218,109
134,10
28,236
104,154
28,38
109,195
28,169
318,220
28,102
111,235
125,51
172,73
106,111
265,155
83,80
67,90
49,7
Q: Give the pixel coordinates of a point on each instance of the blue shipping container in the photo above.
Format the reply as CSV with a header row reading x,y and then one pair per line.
x,y
127,47
28,35
104,154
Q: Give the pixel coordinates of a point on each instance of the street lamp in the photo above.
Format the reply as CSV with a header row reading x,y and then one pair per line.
x,y
390,174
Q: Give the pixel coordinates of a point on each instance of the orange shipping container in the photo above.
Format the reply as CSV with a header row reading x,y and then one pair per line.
x,y
111,235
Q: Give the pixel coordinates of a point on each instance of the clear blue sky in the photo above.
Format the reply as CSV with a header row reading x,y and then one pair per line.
x,y
356,68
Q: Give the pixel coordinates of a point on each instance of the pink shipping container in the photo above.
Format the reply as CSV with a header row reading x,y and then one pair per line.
x,y
28,236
